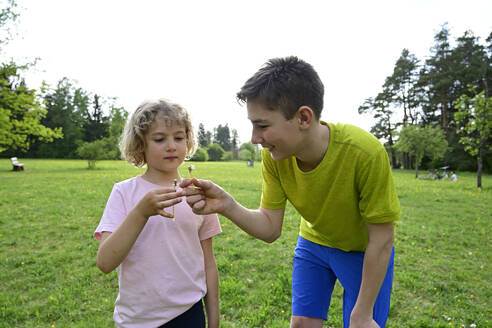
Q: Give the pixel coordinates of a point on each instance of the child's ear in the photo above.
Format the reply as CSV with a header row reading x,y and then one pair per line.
x,y
305,116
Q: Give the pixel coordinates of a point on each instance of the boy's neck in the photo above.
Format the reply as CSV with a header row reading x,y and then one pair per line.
x,y
315,147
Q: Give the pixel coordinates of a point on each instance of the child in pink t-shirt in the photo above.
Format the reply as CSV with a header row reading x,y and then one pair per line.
x,y
162,250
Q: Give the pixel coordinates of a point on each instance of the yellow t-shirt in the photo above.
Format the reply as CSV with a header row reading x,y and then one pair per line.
x,y
353,184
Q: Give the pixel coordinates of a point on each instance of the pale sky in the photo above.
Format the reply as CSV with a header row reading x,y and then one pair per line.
x,y
199,53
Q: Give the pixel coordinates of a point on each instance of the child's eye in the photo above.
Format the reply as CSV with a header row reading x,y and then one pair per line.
x,y
179,138
159,140
262,126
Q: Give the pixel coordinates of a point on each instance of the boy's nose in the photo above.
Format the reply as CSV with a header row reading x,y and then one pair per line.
x,y
255,138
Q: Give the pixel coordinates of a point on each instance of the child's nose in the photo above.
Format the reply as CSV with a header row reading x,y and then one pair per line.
x,y
171,145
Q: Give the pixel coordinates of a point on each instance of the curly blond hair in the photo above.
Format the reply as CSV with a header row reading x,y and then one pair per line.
x,y
132,144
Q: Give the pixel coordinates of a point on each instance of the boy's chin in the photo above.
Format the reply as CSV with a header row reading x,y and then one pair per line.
x,y
277,157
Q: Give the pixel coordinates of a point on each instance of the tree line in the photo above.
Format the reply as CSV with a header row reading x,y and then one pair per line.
x,y
222,144
438,111
67,121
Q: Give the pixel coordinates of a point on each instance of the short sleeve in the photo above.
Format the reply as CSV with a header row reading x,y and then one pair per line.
x,y
378,200
273,196
210,227
114,213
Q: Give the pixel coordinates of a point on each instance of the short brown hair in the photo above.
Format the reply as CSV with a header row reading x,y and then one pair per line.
x,y
287,84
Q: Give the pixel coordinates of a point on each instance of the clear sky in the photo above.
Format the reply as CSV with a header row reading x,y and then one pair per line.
x,y
199,53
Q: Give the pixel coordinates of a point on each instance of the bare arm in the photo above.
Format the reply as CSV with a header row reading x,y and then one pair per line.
x,y
212,278
209,198
114,247
376,258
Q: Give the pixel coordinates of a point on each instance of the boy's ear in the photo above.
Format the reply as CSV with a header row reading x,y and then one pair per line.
x,y
305,116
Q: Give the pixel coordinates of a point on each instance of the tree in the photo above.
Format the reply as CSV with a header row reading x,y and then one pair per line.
x,y
474,119
202,136
487,81
234,144
247,151
227,156
200,155
402,84
430,97
117,120
95,123
399,91
422,140
21,112
93,151
471,64
67,106
115,124
382,112
437,77
7,15
223,137
215,152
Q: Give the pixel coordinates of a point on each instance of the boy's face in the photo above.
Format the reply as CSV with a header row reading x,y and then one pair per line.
x,y
273,131
165,146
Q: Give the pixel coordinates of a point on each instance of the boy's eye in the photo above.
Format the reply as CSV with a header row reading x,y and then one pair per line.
x,y
262,126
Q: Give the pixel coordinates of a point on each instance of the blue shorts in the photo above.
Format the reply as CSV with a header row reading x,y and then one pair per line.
x,y
315,271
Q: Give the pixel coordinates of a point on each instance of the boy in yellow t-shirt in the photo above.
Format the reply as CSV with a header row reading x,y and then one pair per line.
x,y
338,178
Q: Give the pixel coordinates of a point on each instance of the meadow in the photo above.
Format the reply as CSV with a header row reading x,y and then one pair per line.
x,y
48,275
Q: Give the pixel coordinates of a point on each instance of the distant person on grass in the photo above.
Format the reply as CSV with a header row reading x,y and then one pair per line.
x,y
337,176
165,267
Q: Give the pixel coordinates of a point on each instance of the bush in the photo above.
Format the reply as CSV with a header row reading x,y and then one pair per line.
x,y
245,155
215,152
112,148
227,156
249,151
93,151
200,155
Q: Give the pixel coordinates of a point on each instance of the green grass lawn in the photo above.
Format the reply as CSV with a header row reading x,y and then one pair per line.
x,y
48,275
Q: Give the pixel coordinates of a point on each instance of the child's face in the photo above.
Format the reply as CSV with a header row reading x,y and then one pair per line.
x,y
273,131
165,146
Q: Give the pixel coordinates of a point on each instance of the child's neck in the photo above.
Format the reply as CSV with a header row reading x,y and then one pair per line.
x,y
161,178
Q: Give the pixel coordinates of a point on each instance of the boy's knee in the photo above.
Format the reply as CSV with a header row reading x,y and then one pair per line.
x,y
305,322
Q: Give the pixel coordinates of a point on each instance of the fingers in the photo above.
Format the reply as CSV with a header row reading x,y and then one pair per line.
x,y
170,202
204,184
192,199
185,183
164,190
167,204
196,182
199,205
168,192
189,191
166,214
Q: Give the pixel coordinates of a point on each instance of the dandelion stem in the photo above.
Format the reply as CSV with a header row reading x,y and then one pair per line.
x,y
175,184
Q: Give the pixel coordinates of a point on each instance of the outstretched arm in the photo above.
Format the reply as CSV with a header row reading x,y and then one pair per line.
x,y
376,259
209,198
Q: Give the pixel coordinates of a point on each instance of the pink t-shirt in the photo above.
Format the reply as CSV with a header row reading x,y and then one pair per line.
x,y
163,275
